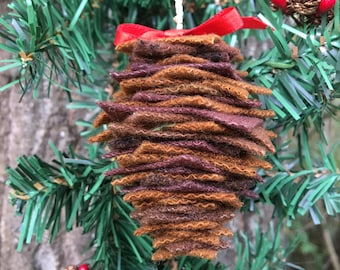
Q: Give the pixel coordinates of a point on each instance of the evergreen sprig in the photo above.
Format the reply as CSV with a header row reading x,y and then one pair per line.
x,y
68,42
296,191
302,69
265,252
76,186
52,40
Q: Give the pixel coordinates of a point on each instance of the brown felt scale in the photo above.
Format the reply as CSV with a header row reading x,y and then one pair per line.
x,y
187,133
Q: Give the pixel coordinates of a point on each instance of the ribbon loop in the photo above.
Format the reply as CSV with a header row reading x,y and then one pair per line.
x,y
225,22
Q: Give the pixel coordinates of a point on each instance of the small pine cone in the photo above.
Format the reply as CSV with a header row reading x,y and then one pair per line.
x,y
305,11
303,7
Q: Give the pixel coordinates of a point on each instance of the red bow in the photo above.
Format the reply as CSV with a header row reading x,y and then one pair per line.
x,y
224,22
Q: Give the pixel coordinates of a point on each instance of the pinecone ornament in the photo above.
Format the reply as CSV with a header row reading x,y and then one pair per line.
x,y
306,10
187,134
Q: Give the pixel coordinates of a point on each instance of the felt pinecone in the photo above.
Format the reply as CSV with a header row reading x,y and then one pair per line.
x,y
188,136
306,10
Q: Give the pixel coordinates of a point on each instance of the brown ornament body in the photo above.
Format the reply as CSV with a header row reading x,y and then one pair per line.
x,y
188,140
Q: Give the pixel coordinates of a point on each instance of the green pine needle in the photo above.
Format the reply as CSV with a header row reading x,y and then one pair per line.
x,y
41,193
70,44
265,252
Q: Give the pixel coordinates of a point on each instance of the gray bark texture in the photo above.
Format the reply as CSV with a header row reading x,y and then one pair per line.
x,y
26,128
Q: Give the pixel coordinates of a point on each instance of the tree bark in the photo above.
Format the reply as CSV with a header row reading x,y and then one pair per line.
x,y
26,128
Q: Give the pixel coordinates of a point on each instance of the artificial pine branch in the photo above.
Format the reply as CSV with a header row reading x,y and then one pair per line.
x,y
68,43
305,84
265,251
301,69
77,187
54,41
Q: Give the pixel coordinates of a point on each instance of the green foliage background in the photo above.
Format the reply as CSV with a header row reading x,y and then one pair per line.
x,y
70,43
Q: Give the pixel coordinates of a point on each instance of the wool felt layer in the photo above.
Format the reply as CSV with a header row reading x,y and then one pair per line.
x,y
231,164
189,226
121,130
155,217
164,254
152,178
224,69
201,238
189,234
176,75
185,186
130,145
174,202
181,91
188,136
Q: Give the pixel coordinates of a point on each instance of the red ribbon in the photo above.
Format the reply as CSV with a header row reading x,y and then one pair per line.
x,y
223,23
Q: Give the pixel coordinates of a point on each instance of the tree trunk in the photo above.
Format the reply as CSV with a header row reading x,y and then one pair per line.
x,y
26,128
